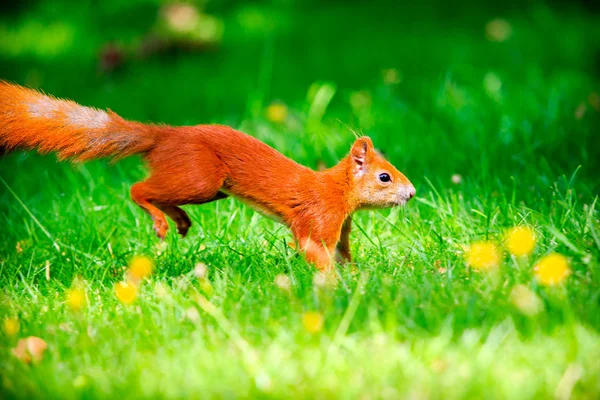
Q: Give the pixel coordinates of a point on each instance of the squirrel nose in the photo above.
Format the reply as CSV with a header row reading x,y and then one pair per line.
x,y
411,192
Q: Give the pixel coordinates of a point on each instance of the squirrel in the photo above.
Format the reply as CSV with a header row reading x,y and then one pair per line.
x,y
204,163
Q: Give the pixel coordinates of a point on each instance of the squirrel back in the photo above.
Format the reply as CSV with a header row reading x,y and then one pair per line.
x,y
32,120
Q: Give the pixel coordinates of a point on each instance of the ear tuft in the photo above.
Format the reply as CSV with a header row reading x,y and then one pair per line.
x,y
361,152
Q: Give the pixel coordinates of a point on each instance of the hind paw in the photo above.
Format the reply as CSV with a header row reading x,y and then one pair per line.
x,y
161,227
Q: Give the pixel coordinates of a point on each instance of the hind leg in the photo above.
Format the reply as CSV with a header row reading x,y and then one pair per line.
x,y
175,182
180,217
157,203
182,220
140,193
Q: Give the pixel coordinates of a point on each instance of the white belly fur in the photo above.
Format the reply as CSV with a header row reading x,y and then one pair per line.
x,y
256,207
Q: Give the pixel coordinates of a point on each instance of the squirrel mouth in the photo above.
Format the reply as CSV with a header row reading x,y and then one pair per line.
x,y
406,193
400,203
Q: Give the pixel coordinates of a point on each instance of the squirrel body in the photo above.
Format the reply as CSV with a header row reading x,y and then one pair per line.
x,y
204,163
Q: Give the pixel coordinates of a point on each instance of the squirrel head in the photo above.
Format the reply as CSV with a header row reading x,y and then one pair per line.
x,y
377,183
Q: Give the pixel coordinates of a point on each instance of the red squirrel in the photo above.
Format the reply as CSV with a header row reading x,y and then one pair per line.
x,y
204,163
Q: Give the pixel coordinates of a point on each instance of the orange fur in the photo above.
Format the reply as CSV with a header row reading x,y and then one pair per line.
x,y
199,164
29,119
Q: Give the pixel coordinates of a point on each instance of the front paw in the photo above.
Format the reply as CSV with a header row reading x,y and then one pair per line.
x,y
343,256
183,228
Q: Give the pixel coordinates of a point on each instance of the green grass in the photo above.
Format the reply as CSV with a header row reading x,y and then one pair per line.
x,y
409,319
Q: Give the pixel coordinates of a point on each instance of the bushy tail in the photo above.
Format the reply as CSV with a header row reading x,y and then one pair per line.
x,y
32,120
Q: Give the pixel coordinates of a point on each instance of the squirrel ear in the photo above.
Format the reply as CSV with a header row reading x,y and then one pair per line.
x,y
361,152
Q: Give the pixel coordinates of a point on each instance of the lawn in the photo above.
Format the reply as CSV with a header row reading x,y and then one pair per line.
x,y
492,111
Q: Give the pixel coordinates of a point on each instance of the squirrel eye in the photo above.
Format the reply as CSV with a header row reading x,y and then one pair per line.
x,y
384,177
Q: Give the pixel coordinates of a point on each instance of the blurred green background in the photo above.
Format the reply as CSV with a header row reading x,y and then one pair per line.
x,y
491,109
486,90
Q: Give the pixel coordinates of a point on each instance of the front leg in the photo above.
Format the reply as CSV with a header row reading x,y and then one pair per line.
x,y
317,253
342,254
317,239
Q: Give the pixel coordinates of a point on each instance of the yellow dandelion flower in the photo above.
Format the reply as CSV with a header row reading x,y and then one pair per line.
x,y
483,256
10,326
76,298
126,292
525,300
312,321
277,113
552,269
140,267
520,241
